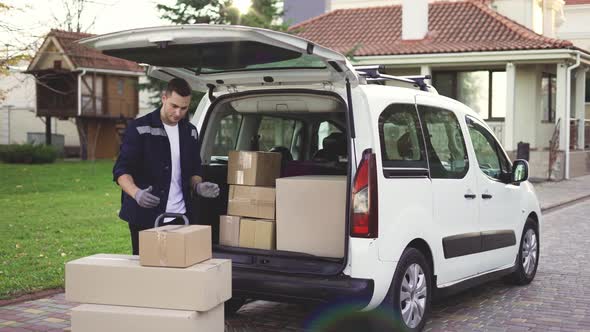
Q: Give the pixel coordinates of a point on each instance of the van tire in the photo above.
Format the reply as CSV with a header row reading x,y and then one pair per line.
x,y
232,306
410,257
521,276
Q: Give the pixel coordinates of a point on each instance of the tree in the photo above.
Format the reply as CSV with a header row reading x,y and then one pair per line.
x,y
13,52
72,20
263,13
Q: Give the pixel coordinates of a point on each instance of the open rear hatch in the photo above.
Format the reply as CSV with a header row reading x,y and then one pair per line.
x,y
223,57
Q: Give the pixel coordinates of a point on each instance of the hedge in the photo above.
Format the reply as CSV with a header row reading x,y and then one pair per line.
x,y
27,154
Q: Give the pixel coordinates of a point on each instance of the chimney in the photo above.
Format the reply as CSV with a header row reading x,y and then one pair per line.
x,y
414,19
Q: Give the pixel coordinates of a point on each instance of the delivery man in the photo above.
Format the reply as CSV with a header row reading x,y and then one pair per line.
x,y
159,164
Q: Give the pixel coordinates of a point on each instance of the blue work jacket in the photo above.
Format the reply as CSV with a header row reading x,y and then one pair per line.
x,y
145,155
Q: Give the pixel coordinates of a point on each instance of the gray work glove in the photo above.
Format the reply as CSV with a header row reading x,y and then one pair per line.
x,y
145,199
207,189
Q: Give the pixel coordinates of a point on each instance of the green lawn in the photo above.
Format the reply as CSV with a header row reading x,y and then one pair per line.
x,y
51,214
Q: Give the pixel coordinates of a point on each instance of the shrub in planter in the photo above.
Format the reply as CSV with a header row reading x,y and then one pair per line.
x,y
28,154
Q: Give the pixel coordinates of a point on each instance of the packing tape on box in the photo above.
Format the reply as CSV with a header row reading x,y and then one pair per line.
x,y
245,161
251,201
240,177
162,239
257,202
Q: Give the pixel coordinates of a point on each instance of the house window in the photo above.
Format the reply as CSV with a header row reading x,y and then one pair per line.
x,y
588,90
483,90
120,87
548,90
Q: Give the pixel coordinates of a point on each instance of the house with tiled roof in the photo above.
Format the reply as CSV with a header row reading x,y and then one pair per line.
x,y
528,84
98,92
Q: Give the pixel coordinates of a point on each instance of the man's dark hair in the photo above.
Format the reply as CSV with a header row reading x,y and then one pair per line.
x,y
179,86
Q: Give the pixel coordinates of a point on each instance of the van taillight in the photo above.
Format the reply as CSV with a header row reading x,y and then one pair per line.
x,y
364,198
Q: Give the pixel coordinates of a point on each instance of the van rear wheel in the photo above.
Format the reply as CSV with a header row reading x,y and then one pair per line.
x,y
410,292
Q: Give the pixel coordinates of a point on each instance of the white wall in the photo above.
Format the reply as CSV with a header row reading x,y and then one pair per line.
x,y
17,112
25,121
576,27
526,106
144,97
520,11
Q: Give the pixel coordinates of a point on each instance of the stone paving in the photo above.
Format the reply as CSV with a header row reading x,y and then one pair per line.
x,y
557,300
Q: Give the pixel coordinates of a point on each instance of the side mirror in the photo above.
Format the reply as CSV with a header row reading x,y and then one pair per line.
x,y
520,171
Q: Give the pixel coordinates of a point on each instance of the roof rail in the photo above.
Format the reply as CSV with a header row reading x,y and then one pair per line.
x,y
372,74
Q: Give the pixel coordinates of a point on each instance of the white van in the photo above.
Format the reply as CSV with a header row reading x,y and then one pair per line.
x,y
433,202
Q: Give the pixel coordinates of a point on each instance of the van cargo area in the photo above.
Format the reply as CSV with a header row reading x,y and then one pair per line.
x,y
286,211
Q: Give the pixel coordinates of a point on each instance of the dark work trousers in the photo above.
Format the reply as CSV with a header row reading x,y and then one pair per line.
x,y
135,229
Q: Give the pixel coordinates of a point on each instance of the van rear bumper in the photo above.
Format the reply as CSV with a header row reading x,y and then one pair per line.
x,y
265,285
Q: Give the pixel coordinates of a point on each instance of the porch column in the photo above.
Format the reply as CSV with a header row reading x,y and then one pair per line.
x,y
426,70
561,106
579,104
510,107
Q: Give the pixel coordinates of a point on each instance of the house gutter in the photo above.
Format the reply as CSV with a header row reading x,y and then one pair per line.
x,y
113,72
568,111
464,58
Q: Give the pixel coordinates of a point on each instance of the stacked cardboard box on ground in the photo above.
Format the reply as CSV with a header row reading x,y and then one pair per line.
x,y
250,222
173,286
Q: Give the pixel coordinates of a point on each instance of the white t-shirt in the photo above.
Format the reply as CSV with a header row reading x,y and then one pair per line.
x,y
175,199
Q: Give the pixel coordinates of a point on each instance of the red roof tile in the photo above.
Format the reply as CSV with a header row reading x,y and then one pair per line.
x,y
466,26
577,2
85,57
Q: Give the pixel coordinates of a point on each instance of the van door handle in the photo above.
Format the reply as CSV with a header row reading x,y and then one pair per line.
x,y
486,196
469,196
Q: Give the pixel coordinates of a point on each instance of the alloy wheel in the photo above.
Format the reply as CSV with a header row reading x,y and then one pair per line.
x,y
529,252
413,292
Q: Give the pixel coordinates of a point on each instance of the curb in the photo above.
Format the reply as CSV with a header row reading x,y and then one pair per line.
x,y
32,296
557,206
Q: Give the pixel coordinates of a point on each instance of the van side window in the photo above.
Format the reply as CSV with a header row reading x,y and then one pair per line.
x,y
401,139
445,144
490,158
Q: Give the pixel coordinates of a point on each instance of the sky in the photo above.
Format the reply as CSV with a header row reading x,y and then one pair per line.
x,y
34,18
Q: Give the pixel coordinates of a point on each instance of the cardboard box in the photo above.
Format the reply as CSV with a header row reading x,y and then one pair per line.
x,y
229,230
253,168
311,215
257,233
120,280
100,318
253,202
175,245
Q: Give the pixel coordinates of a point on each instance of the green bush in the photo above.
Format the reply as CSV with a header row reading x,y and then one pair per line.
x,y
27,154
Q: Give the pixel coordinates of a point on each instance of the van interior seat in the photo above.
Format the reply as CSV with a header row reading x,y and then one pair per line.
x,y
286,155
334,146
